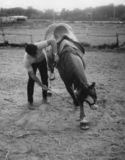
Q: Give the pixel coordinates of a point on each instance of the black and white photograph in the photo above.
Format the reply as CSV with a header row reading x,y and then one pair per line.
x,y
62,79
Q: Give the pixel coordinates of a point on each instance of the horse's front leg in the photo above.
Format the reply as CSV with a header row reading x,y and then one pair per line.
x,y
84,124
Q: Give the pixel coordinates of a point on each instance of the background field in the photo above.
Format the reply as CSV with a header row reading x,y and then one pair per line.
x,y
51,132
88,32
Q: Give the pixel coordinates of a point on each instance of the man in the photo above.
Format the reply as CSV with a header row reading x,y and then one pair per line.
x,y
35,58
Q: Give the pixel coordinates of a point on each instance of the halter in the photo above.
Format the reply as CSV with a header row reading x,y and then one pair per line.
x,y
90,104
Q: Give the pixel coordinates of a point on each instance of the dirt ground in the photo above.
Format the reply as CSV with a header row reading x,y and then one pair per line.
x,y
51,132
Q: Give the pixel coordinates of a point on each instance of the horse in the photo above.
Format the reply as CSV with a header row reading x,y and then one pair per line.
x,y
71,67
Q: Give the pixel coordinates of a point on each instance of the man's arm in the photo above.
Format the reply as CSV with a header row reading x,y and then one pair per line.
x,y
46,43
31,73
51,42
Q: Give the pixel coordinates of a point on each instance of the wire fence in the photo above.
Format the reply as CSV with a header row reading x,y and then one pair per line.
x,y
91,39
16,37
100,39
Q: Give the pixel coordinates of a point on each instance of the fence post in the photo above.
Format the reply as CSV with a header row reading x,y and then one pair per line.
x,y
3,34
31,38
117,39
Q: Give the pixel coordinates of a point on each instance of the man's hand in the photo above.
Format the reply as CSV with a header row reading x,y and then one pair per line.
x,y
44,87
36,79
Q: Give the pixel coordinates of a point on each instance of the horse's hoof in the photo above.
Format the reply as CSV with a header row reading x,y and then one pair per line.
x,y
84,126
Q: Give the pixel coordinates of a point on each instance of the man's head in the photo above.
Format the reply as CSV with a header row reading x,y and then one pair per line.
x,y
31,49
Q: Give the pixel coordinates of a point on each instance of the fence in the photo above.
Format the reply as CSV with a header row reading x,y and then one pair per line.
x,y
100,39
92,39
5,37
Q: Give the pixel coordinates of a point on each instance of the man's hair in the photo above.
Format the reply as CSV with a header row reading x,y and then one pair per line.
x,y
31,49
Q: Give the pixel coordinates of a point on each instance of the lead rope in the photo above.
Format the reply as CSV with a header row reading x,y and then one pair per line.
x,y
60,96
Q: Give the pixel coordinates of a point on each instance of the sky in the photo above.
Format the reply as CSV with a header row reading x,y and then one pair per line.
x,y
57,5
